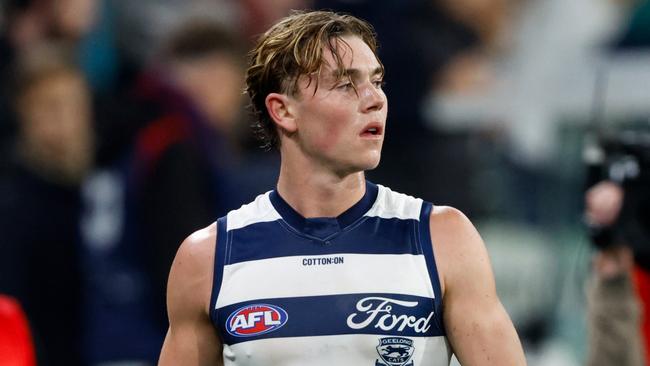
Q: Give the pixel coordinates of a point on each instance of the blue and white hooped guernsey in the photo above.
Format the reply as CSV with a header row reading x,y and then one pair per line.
x,y
358,289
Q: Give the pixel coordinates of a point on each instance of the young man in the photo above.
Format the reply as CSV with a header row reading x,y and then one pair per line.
x,y
41,183
329,269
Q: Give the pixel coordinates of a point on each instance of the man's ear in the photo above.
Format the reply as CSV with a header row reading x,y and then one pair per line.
x,y
280,109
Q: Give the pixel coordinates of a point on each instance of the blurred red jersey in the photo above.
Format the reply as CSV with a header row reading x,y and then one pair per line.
x,y
16,348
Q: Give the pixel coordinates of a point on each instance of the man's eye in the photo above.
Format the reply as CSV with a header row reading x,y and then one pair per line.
x,y
345,86
379,84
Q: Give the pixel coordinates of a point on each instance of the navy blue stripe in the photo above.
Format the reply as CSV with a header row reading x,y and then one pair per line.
x,y
335,315
372,235
219,260
427,249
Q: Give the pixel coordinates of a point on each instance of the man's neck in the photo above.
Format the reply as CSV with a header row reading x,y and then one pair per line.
x,y
319,193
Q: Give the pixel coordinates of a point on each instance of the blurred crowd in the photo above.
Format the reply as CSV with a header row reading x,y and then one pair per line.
x,y
123,128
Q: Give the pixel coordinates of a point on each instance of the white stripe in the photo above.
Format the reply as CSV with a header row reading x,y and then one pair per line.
x,y
360,273
391,204
339,350
260,210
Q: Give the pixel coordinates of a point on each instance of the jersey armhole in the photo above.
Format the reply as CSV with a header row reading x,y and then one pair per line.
x,y
219,262
427,250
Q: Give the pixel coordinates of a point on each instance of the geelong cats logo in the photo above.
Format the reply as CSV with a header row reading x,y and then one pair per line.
x,y
256,319
395,351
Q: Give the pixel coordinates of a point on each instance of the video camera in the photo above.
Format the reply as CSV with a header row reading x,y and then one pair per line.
x,y
623,156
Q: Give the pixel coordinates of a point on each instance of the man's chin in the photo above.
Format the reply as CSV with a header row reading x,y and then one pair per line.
x,y
370,163
373,165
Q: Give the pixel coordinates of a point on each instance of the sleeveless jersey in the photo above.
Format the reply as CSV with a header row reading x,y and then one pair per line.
x,y
358,289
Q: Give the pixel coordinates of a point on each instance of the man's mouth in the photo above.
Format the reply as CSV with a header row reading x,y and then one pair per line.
x,y
372,130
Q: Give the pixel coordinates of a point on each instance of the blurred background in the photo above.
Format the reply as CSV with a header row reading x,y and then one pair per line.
x,y
123,128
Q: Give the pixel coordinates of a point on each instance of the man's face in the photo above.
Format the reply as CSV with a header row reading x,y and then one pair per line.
x,y
56,123
214,83
341,125
74,18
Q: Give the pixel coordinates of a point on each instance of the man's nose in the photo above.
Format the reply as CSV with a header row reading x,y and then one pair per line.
x,y
373,99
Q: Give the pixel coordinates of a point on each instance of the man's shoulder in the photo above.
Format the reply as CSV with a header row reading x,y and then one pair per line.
x,y
457,244
190,278
197,251
449,217
202,236
451,227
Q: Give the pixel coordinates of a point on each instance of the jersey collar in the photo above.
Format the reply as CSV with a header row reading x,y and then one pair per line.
x,y
323,227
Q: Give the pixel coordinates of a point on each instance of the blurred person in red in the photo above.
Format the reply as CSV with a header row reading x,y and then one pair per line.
x,y
616,206
39,198
617,214
16,348
187,157
181,171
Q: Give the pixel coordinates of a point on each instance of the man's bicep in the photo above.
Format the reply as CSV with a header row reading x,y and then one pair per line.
x,y
478,327
193,344
482,334
191,338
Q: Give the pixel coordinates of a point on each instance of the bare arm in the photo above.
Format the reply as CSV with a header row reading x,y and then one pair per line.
x,y
613,312
478,327
191,338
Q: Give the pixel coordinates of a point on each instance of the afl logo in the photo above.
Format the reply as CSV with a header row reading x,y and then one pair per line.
x,y
255,319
